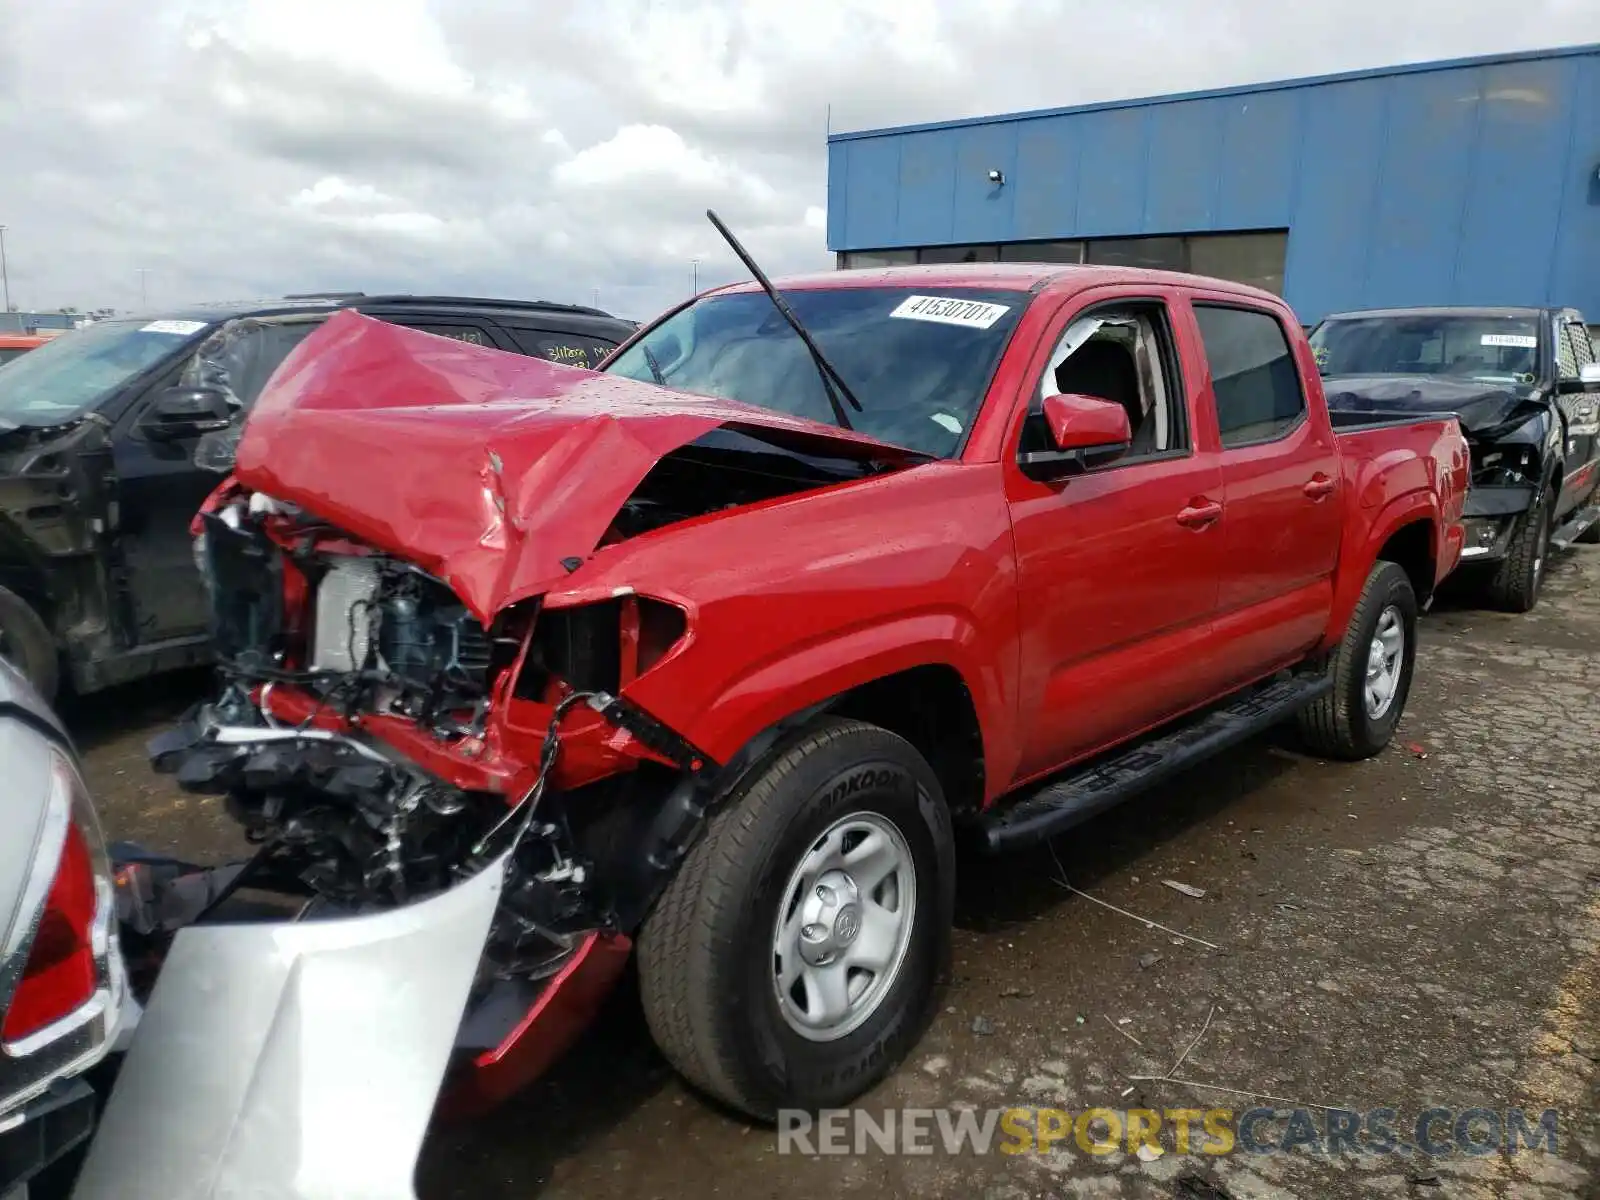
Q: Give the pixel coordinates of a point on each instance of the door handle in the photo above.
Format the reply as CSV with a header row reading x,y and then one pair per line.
x,y
1199,513
1319,486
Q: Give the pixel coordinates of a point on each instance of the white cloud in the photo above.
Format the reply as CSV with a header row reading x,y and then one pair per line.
x,y
249,147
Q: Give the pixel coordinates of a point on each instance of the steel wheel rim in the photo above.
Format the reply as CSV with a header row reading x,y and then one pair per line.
x,y
843,927
1385,661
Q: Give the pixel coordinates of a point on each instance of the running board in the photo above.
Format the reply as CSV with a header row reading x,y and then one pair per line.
x,y
1563,538
1069,800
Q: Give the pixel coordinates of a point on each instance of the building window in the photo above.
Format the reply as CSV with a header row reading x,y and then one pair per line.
x,y
1256,259
958,254
1253,258
1046,252
1155,253
855,259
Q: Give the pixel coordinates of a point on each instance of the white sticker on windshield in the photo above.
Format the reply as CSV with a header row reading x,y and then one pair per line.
x,y
974,314
1522,341
176,328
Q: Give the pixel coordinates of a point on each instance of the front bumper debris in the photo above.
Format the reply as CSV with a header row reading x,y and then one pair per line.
x,y
298,1060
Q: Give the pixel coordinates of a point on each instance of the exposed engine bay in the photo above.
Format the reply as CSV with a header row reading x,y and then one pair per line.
x,y
323,641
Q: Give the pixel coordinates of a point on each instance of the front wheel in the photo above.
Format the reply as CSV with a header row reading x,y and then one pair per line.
x,y
1518,578
795,958
1372,671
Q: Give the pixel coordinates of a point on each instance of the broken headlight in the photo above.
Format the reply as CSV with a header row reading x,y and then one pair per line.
x,y
601,647
1500,465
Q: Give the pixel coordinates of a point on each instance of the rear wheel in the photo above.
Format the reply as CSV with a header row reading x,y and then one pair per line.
x,y
26,643
1372,671
795,957
1517,580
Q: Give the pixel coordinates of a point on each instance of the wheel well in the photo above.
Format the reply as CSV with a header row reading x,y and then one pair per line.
x,y
1411,548
931,707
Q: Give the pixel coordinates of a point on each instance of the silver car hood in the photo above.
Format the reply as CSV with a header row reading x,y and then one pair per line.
x,y
293,1061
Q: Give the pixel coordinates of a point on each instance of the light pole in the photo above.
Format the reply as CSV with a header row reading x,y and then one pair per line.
x,y
5,275
143,301
695,263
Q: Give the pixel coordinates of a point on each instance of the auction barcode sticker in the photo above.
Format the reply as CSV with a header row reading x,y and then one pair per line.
x,y
175,328
974,314
1522,341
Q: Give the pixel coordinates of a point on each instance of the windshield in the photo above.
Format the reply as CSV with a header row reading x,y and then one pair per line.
x,y
70,374
918,360
1490,348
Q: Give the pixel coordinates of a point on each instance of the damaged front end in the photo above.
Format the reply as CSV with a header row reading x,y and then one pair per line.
x,y
1511,474
1511,430
378,743
416,680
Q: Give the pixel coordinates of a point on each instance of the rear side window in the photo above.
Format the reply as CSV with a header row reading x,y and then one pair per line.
x,y
570,349
1258,393
1577,342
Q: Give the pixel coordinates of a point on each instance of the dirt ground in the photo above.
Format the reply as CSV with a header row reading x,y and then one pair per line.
x,y
1420,930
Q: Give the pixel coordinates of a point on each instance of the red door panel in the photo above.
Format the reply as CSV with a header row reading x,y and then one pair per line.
x,y
1282,509
1117,580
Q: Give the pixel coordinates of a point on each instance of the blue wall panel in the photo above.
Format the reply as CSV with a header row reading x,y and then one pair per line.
x,y
1467,182
1338,190
1575,264
1425,167
1111,173
1255,172
927,190
872,191
1508,230
1181,187
984,212
1045,181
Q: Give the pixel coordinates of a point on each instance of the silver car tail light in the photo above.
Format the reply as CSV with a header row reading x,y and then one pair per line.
x,y
62,983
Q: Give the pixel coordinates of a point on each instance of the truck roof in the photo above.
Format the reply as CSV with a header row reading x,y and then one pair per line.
x,y
1008,276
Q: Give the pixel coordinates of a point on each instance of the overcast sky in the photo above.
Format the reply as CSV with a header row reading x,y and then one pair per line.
x,y
538,148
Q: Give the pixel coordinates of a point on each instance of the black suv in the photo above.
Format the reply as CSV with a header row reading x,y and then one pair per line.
x,y
98,473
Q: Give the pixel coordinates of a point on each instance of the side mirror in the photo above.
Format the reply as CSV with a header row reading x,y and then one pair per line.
x,y
1086,431
186,412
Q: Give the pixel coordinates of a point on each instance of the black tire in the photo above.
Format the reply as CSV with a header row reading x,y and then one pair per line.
x,y
707,951
1338,725
26,642
1520,575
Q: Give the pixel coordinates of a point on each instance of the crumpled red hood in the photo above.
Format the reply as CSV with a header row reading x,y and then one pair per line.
x,y
485,468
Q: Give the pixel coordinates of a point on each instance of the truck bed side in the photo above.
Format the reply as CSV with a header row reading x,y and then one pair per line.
x,y
1399,476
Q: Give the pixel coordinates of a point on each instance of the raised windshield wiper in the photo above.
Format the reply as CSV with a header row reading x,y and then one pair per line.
x,y
830,378
655,367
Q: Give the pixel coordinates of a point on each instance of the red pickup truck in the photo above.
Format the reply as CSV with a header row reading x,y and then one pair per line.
x,y
734,638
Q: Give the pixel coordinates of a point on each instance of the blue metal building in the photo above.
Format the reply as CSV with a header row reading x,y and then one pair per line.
x,y
1475,181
